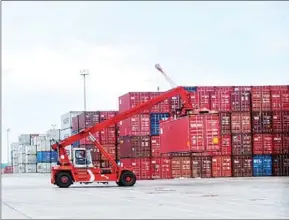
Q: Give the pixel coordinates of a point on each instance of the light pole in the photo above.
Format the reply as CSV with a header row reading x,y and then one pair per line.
x,y
8,159
84,73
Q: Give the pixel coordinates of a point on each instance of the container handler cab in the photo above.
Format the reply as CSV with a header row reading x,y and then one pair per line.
x,y
80,169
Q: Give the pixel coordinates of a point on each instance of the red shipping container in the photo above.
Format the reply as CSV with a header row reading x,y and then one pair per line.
x,y
201,166
240,122
285,122
206,88
224,88
262,122
261,88
280,165
241,144
204,99
108,135
280,100
111,149
261,100
226,145
221,166
140,166
155,145
133,99
75,123
95,154
105,115
279,88
175,103
181,167
87,141
242,166
163,107
277,122
262,144
136,125
225,120
135,146
88,119
196,133
240,101
221,101
277,143
161,168
242,88
285,143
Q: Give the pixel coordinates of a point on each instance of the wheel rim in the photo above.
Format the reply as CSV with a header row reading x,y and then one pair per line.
x,y
64,179
128,179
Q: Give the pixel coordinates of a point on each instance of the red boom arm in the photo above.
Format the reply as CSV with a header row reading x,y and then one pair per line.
x,y
185,95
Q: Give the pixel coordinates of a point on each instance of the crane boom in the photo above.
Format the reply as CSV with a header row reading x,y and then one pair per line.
x,y
185,95
170,81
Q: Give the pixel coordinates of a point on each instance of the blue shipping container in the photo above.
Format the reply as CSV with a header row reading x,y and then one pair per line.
x,y
155,122
190,88
77,143
262,165
46,156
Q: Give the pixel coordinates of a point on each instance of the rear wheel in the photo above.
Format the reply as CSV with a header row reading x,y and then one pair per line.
x,y
127,178
63,180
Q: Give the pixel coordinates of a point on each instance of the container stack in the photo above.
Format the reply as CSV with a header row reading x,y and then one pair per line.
x,y
66,124
107,137
15,157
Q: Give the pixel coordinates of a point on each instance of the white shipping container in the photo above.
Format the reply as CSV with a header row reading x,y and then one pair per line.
x,y
21,168
15,169
14,154
36,139
66,119
14,146
43,145
30,168
29,159
29,149
53,134
44,167
21,158
24,139
21,149
65,133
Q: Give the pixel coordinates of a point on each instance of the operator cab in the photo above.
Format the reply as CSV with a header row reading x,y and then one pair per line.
x,y
81,158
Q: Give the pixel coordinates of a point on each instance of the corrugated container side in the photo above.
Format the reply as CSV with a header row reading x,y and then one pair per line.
x,y
277,141
262,144
261,100
262,122
140,166
221,166
204,99
226,145
111,149
225,121
242,166
44,167
30,168
135,146
161,168
155,122
181,167
279,88
105,115
240,122
163,107
277,121
285,121
280,100
242,88
240,101
286,143
133,99
201,166
262,165
281,165
66,119
206,88
241,144
221,101
155,146
137,125
46,156
88,119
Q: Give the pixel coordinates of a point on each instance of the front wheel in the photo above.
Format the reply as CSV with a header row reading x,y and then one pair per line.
x,y
63,180
127,178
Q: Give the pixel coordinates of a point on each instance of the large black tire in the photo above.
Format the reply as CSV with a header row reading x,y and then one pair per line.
x,y
127,178
63,180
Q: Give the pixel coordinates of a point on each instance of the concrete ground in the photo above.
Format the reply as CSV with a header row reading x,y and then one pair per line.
x,y
31,196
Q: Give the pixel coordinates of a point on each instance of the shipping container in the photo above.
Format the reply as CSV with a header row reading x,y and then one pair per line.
x,y
46,156
135,146
241,144
281,165
24,139
262,144
108,135
161,168
277,142
8,170
224,88
242,166
203,99
225,121
221,166
111,149
53,134
155,122
137,125
277,121
28,159
286,143
226,145
66,119
240,122
155,146
65,133
88,119
140,166
15,146
279,88
95,153
242,88
29,149
163,107
285,121
175,102
206,88
43,145
261,100
280,100
221,101
181,167
133,99
262,165
262,122
30,168
44,167
105,115
196,133
201,166
240,101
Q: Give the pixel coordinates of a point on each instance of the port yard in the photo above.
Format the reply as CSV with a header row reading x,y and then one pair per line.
x,y
31,196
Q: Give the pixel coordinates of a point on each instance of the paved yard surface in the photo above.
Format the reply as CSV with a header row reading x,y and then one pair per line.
x,y
31,196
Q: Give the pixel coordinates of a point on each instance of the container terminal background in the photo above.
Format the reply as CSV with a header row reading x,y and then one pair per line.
x,y
231,56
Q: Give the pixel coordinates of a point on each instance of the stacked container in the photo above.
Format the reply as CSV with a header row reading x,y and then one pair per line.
x,y
106,137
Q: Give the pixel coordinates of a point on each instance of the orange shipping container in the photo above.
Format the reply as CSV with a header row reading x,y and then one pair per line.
x,y
221,166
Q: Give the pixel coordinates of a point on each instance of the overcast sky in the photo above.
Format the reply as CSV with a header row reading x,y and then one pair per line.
x,y
45,44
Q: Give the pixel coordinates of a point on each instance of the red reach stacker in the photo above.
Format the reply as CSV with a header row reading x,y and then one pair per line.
x,y
80,168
